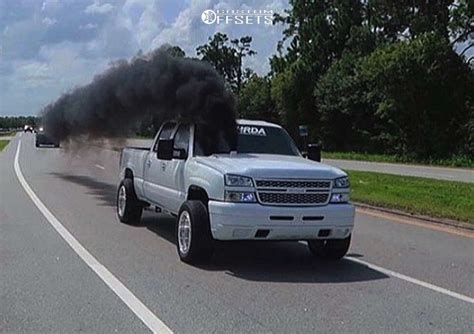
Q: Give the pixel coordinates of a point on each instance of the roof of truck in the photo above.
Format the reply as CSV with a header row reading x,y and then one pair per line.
x,y
256,123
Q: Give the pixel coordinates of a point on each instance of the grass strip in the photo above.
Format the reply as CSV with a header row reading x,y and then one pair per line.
x,y
3,144
455,161
434,198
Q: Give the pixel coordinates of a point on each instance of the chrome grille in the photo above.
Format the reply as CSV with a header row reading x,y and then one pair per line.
x,y
293,192
293,198
293,184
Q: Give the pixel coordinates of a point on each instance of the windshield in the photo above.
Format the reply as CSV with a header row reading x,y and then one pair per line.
x,y
251,139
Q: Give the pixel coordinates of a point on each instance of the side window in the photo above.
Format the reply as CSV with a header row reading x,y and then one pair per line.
x,y
181,138
166,132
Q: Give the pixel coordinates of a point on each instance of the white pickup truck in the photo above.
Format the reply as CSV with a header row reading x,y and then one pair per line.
x,y
265,190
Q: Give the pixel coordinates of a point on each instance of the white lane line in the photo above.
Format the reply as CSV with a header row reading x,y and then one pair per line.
x,y
135,305
100,167
410,279
413,280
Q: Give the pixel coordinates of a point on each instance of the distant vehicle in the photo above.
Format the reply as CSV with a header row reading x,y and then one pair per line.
x,y
44,139
28,128
265,190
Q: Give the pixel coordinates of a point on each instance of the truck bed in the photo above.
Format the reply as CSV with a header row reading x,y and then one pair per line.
x,y
134,158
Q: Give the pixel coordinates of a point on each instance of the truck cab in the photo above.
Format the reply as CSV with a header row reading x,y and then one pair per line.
x,y
262,190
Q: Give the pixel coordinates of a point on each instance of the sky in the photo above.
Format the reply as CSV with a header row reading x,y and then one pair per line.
x,y
48,47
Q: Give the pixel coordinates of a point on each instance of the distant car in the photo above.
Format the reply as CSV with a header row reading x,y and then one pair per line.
x,y
28,128
43,138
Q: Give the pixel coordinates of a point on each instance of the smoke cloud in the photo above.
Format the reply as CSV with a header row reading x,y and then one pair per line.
x,y
150,88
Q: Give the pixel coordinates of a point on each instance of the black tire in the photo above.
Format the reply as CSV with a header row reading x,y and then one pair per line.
x,y
37,144
132,211
331,250
201,242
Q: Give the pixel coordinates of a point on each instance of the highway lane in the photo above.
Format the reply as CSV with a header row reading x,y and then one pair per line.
x,y
273,287
44,286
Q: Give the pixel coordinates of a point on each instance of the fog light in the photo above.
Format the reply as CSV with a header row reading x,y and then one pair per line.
x,y
341,232
340,198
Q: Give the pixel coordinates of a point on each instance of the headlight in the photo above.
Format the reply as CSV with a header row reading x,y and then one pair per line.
x,y
340,198
342,182
240,196
238,181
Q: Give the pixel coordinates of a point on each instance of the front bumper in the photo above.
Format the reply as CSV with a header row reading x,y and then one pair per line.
x,y
244,221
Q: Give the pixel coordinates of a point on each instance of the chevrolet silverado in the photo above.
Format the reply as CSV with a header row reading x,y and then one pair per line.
x,y
263,190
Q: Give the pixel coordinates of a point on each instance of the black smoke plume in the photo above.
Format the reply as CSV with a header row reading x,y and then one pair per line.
x,y
150,88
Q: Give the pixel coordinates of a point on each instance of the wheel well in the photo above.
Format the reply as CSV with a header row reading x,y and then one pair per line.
x,y
128,173
198,193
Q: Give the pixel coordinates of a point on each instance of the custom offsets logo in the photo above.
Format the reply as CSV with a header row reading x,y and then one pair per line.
x,y
238,16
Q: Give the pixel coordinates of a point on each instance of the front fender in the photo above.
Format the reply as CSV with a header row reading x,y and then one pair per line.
x,y
206,178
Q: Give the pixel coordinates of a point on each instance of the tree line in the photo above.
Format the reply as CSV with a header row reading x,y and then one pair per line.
x,y
375,76
17,122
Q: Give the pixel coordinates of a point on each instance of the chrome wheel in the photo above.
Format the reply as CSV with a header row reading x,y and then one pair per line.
x,y
184,232
122,201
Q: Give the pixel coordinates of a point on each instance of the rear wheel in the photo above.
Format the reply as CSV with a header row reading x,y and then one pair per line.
x,y
129,208
193,234
332,249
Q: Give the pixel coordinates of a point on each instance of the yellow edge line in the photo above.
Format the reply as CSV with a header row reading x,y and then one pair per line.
x,y
431,226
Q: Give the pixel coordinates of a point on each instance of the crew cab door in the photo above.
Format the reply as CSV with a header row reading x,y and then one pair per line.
x,y
154,169
173,181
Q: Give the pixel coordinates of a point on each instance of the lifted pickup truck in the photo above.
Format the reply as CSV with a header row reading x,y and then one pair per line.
x,y
265,190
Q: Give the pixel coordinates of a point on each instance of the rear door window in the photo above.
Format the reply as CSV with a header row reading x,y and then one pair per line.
x,y
181,138
165,133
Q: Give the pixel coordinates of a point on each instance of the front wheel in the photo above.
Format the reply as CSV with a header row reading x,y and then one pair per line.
x,y
193,233
332,249
129,208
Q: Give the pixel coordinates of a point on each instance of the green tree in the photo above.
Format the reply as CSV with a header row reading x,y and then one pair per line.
x,y
462,24
227,57
242,49
255,101
348,119
316,34
392,20
412,98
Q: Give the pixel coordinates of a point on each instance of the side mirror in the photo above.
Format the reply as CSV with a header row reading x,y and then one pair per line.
x,y
314,152
165,149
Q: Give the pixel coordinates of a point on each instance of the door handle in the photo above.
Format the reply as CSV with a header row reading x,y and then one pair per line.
x,y
163,166
148,163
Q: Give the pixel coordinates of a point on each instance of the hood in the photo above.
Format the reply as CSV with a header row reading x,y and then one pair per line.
x,y
270,166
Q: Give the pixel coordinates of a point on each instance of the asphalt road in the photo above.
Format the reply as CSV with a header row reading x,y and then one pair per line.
x,y
398,277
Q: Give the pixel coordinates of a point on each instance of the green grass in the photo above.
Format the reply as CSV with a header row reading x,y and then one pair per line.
x,y
455,161
3,144
435,198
